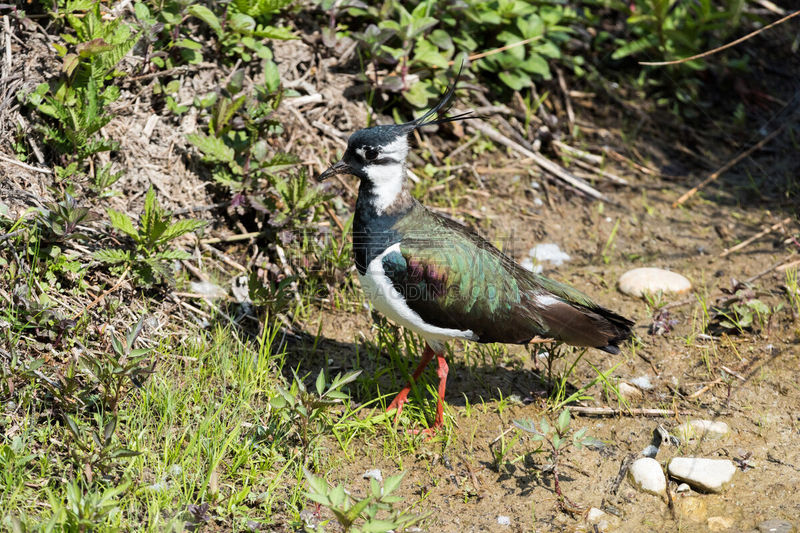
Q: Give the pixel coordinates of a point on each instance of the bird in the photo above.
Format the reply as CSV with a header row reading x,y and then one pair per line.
x,y
440,279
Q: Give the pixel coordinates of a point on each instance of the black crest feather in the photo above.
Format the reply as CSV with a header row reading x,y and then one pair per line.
x,y
442,107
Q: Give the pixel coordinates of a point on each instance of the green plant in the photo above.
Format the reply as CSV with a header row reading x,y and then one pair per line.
x,y
115,372
150,255
667,30
349,510
238,125
84,509
95,452
104,179
558,437
740,311
75,102
510,40
309,409
60,220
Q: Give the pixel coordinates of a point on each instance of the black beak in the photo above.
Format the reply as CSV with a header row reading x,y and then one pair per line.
x,y
338,168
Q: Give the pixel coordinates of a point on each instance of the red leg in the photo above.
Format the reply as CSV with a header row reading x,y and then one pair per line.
x,y
438,423
442,373
402,396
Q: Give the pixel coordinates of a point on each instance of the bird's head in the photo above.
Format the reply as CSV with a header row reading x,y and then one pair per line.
x,y
378,154
373,153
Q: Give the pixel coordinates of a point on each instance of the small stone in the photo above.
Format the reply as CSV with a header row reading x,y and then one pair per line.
x,y
629,392
710,475
651,451
503,520
641,281
540,253
375,474
595,515
646,475
719,523
701,429
775,526
642,382
693,508
683,487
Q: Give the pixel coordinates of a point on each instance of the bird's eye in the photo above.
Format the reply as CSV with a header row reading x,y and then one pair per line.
x,y
370,154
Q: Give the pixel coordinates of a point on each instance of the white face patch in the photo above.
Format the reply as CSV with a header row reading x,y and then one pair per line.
x,y
389,176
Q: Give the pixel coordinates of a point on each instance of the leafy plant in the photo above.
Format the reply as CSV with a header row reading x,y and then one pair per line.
x,y
60,220
308,409
356,515
115,372
84,509
76,101
740,311
238,125
95,452
511,41
558,438
150,254
666,30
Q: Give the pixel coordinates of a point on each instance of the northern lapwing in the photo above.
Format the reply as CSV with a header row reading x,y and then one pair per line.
x,y
443,281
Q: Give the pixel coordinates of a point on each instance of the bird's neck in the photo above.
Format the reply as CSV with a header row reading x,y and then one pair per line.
x,y
385,190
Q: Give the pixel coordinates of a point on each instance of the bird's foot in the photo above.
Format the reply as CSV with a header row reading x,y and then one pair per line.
x,y
399,401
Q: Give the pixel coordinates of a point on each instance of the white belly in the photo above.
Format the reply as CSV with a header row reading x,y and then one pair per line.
x,y
386,299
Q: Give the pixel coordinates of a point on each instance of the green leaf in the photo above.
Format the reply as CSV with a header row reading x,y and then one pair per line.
x,y
112,256
188,44
214,149
123,223
527,426
392,482
320,384
379,526
179,228
207,16
420,94
563,421
428,54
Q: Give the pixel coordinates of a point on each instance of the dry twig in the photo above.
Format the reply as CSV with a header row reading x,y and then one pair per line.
x,y
727,166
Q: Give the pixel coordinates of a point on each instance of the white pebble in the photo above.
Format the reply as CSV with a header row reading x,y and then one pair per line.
x,y
642,382
710,475
594,515
646,475
208,289
683,487
549,252
375,474
701,429
503,520
640,281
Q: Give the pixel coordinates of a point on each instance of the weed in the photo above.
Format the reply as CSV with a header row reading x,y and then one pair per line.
x,y
558,437
357,515
60,220
75,103
114,372
676,30
740,311
95,452
309,409
150,255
